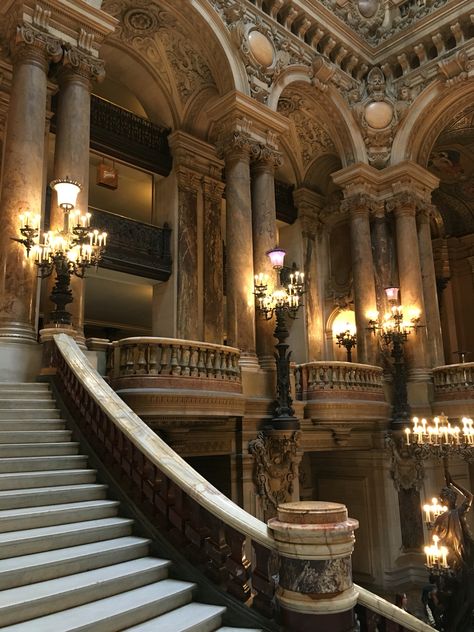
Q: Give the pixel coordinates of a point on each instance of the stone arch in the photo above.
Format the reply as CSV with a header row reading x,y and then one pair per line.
x,y
347,137
427,118
174,52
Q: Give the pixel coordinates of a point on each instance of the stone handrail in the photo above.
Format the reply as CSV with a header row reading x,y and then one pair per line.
x,y
171,357
337,376
454,377
199,518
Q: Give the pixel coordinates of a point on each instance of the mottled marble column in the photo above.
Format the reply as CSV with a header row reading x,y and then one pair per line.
x,y
213,262
23,178
239,250
315,541
430,293
309,205
187,321
382,256
363,273
71,155
265,237
409,271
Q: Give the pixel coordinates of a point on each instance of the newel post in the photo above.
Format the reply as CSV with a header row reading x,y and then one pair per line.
x,y
315,541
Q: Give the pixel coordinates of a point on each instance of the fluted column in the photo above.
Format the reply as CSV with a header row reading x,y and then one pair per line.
x,y
315,253
430,292
213,262
188,321
404,207
71,157
358,207
22,187
265,237
239,261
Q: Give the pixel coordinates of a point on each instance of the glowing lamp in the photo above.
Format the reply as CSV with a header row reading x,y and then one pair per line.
x,y
276,256
67,191
392,293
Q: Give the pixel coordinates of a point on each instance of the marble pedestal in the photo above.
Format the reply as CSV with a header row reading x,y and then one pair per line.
x,y
315,542
19,361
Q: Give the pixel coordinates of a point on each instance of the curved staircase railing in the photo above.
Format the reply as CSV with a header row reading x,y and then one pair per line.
x,y
212,531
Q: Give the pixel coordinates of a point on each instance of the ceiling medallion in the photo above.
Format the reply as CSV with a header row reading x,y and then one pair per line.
x,y
139,21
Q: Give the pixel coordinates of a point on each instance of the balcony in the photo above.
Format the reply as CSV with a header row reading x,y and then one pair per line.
x,y
135,247
165,379
454,389
343,403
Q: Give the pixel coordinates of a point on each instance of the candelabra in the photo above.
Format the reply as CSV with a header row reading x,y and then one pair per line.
x,y
66,252
281,302
346,337
394,327
440,439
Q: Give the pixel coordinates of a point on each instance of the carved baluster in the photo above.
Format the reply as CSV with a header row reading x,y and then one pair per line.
x,y
217,373
225,365
193,362
152,359
201,363
217,550
209,363
264,577
185,358
235,367
196,533
141,359
164,359
238,566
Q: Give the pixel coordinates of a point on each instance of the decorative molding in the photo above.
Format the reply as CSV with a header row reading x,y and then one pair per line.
x,y
276,466
80,63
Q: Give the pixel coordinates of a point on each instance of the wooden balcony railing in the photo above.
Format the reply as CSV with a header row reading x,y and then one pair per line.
x,y
195,364
315,378
209,529
454,378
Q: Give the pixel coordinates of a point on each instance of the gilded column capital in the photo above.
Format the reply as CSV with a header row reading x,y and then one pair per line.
x,y
188,180
237,145
77,65
403,204
213,190
32,46
359,204
265,158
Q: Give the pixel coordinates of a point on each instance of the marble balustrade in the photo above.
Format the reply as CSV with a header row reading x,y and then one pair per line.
x,y
314,377
173,358
454,378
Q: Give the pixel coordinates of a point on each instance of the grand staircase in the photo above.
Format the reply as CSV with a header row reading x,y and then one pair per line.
x,y
68,561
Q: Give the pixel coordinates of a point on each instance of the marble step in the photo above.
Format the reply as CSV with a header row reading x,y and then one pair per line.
x,y
30,414
113,613
35,517
44,478
28,541
42,463
26,394
193,617
39,567
26,404
43,598
41,496
38,449
24,425
33,436
23,387
227,629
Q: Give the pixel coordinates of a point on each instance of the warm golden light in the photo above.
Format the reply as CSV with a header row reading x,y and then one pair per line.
x,y
440,432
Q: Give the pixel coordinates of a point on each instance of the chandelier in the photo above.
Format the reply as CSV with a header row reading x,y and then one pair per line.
x,y
69,251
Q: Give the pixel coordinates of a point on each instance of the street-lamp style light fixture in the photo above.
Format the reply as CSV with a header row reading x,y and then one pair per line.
x,y
346,336
281,301
66,252
394,327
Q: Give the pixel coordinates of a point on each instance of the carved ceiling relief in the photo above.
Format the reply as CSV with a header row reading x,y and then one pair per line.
x,y
313,136
379,111
164,41
452,160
